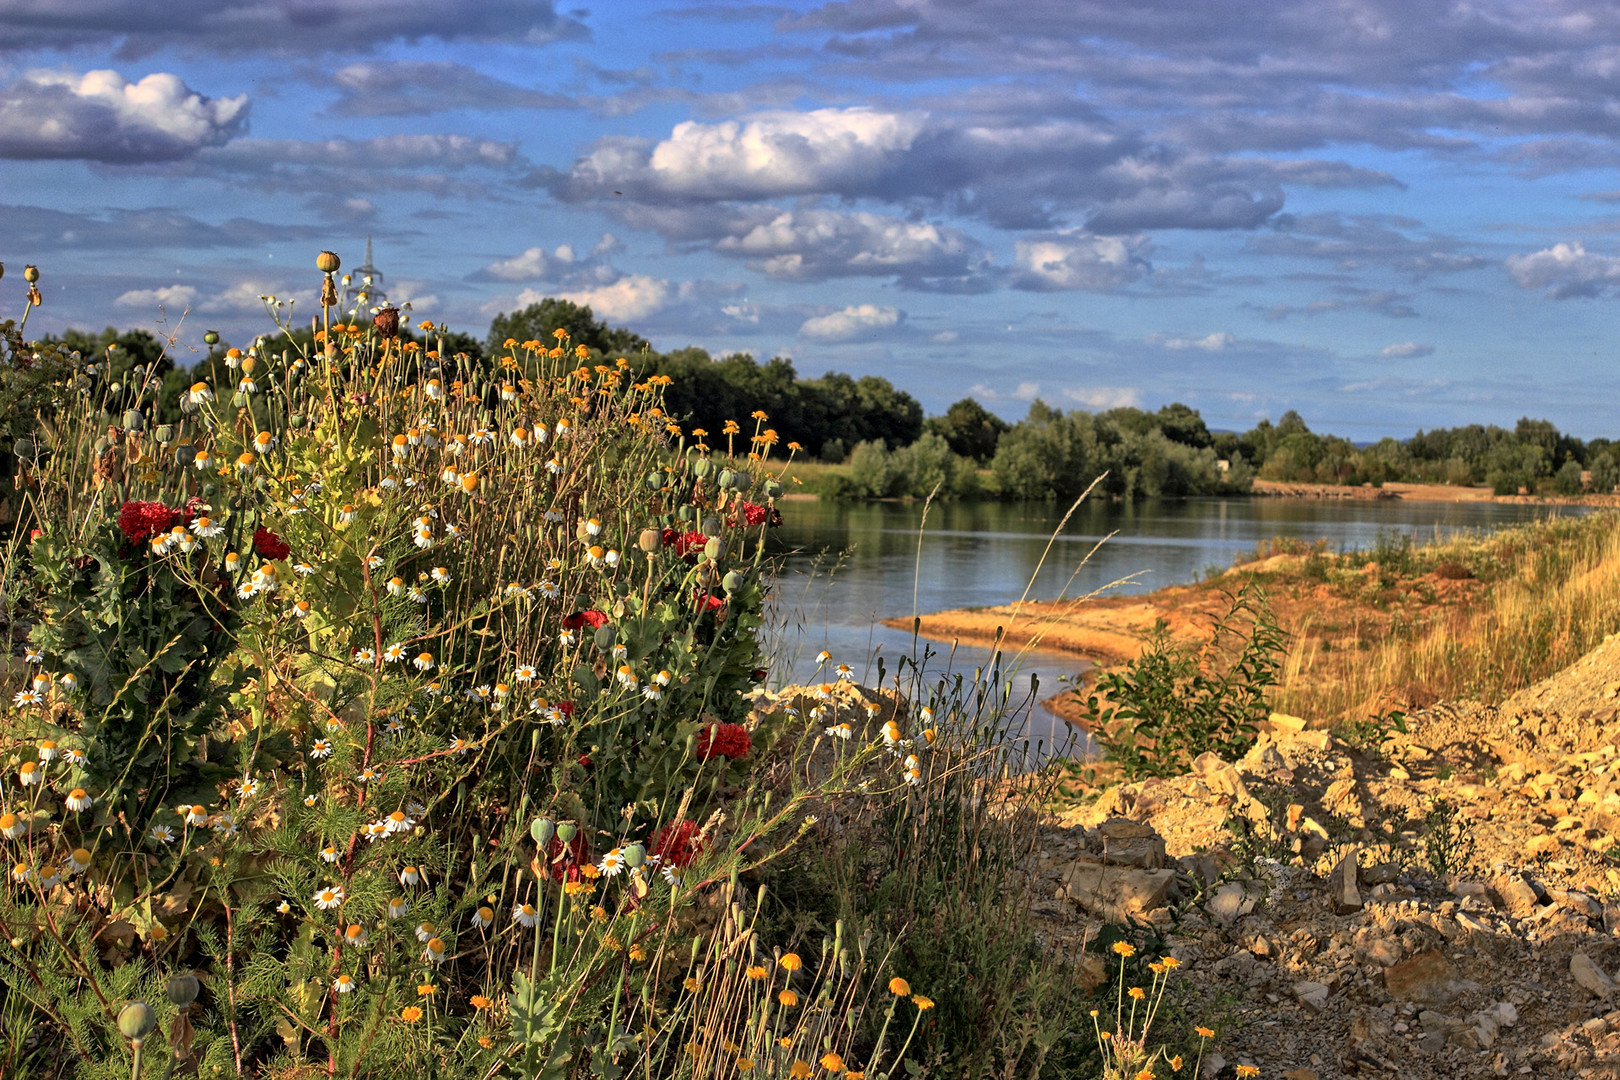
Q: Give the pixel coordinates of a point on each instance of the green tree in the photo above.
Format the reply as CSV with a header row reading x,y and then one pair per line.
x,y
971,430
537,322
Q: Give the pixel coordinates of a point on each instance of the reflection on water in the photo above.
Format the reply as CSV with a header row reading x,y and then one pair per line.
x,y
980,554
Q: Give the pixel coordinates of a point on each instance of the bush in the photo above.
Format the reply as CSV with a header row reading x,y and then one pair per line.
x,y
1174,702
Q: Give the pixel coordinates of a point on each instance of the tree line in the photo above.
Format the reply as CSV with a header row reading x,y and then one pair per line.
x,y
893,450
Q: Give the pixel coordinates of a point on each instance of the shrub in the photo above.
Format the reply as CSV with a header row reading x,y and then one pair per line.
x,y
1176,701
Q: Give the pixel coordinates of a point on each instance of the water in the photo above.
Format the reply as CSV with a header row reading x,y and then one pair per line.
x,y
979,554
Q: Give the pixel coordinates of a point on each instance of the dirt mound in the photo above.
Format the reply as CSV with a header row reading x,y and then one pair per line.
x,y
1440,902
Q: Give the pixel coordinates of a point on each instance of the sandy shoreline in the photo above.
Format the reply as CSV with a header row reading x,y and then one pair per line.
x,y
1447,493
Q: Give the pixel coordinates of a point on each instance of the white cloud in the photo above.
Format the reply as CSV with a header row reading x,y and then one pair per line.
x,y
852,322
1405,350
1104,397
1209,343
1565,270
171,296
101,116
809,244
532,265
944,337
634,296
1075,259
1024,391
243,296
780,153
747,313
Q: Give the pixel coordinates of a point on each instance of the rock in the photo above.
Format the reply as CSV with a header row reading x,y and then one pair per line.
x,y
1381,874
1093,972
1219,776
1517,894
1542,846
1343,888
1428,977
1374,948
1589,976
1301,1074
1117,893
1312,995
1214,1065
1595,1027
1131,843
1230,902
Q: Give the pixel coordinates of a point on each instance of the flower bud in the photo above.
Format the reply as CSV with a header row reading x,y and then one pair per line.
x,y
566,831
542,829
183,989
327,262
136,1020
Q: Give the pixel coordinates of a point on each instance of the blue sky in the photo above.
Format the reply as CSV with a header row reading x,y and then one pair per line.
x,y
1381,213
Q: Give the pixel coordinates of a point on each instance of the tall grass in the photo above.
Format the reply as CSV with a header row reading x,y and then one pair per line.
x,y
1550,593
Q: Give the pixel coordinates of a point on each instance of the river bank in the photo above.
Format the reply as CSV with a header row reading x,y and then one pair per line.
x,y
1369,631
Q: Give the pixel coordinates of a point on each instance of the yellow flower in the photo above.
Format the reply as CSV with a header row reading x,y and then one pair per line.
x,y
800,1070
788,998
1145,1074
1170,963
691,985
637,953
574,888
599,913
1176,1063
791,962
485,1041
757,971
855,1074
590,871
410,1014
1204,1033
1245,1071
426,990
899,987
832,1063
1124,948
745,1064
1136,993
479,1002
923,1003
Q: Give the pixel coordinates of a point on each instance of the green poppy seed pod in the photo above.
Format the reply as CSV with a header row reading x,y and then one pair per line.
x,y
239,399
30,273
741,481
210,490
701,466
296,421
136,1020
185,455
655,480
582,532
542,830
101,446
605,637
635,856
687,513
727,477
163,433
2,270
25,449
773,489
327,262
183,989
715,548
733,581
187,406
710,526
133,420
651,540
566,831
211,337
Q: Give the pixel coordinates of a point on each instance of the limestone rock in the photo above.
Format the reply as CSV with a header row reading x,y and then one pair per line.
x,y
1428,978
1343,886
1117,893
1131,843
1589,976
1230,902
1517,895
1312,995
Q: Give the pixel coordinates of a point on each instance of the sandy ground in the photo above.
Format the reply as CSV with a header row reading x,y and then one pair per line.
x,y
1275,489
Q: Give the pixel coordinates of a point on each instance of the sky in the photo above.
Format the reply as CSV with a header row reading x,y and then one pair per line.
x,y
1384,214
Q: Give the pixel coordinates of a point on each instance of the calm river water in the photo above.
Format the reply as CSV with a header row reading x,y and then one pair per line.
x,y
976,554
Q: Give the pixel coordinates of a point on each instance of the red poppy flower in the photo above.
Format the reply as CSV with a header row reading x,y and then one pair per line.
x,y
140,521
684,542
590,617
269,545
566,708
678,843
729,740
708,601
564,865
753,513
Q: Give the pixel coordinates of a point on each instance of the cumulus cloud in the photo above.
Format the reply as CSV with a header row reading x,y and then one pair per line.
x,y
101,116
533,265
172,296
861,320
1104,397
419,87
1076,259
1215,342
289,27
634,296
812,245
157,228
1406,350
1350,243
1565,271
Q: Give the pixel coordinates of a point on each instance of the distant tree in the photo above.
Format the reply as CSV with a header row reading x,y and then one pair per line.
x,y
971,430
538,321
